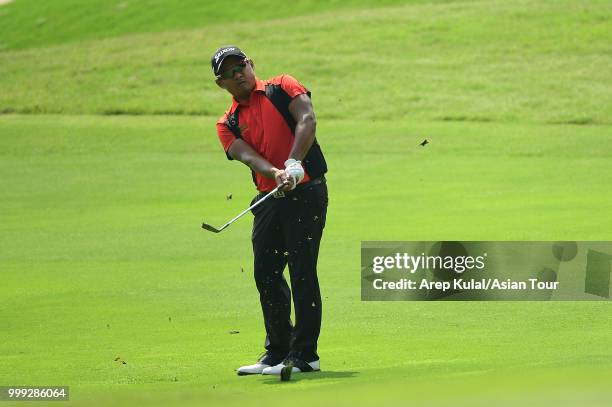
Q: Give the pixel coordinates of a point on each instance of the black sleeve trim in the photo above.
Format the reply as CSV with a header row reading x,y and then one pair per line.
x,y
232,125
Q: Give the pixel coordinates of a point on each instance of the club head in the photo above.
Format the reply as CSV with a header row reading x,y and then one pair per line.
x,y
211,228
285,374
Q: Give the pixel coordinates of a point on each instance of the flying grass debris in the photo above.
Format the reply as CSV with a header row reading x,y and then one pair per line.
x,y
118,359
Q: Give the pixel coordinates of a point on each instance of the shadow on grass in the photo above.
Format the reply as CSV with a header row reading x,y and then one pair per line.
x,y
297,377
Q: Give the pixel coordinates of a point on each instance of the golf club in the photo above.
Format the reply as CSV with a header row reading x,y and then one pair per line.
x,y
269,194
285,374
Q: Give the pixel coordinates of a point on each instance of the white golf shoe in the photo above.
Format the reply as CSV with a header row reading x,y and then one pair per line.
x,y
264,362
299,366
257,368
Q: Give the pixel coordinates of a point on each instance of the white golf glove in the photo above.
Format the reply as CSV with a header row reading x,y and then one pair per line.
x,y
294,170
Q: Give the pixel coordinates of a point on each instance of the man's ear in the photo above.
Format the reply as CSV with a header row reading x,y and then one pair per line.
x,y
252,63
218,82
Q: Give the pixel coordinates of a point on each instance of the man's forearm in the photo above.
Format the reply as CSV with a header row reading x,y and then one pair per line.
x,y
304,137
244,153
260,165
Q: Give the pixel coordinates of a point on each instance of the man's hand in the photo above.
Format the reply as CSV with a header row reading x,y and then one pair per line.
x,y
294,171
280,176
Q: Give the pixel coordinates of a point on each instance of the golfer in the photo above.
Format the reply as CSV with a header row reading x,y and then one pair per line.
x,y
270,127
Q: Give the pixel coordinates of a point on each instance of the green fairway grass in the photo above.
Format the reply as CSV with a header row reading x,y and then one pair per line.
x,y
103,256
109,163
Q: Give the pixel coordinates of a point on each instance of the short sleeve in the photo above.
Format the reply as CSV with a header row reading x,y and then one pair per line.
x,y
292,86
226,137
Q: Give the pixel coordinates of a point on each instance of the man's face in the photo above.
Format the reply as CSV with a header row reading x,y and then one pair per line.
x,y
237,76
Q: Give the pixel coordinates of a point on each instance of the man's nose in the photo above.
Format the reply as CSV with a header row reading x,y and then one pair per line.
x,y
238,75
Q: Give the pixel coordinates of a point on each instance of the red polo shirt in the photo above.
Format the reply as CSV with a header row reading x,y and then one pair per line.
x,y
263,127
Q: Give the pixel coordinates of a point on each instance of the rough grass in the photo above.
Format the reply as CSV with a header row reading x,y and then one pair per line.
x,y
540,62
34,23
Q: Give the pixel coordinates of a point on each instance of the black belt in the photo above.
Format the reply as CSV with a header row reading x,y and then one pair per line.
x,y
298,188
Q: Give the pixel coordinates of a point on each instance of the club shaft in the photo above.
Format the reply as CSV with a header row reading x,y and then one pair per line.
x,y
269,194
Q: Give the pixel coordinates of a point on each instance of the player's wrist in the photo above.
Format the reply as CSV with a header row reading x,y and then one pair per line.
x,y
272,172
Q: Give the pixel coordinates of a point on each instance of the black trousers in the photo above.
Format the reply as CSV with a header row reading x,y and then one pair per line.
x,y
288,230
